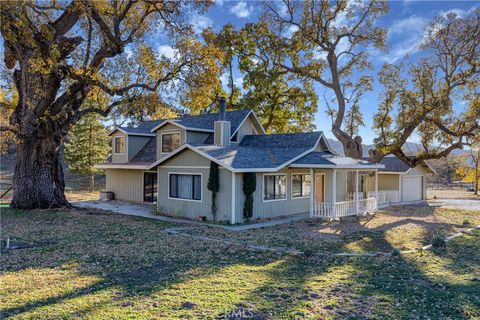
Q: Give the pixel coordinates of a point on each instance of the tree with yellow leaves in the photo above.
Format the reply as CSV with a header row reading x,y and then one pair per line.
x,y
59,52
331,43
470,171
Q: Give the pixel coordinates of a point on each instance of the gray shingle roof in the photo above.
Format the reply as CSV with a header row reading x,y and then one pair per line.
x,y
245,157
200,122
286,140
142,128
148,153
326,158
263,151
393,164
206,121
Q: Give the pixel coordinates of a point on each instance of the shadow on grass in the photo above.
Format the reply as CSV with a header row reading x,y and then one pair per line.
x,y
132,257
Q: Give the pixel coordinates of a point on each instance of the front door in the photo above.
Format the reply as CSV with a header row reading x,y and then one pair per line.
x,y
149,186
319,187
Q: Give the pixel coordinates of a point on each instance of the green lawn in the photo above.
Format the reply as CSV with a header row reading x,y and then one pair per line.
x,y
108,266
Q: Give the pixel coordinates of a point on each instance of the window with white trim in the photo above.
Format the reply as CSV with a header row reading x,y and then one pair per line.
x,y
119,145
170,141
185,186
274,187
300,185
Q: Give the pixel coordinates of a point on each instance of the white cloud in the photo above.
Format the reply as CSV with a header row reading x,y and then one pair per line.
x,y
405,37
219,2
224,79
342,46
200,22
167,51
413,23
238,82
290,31
458,12
241,10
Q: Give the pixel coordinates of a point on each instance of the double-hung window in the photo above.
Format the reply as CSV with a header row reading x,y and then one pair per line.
x,y
119,145
274,187
300,185
170,141
185,186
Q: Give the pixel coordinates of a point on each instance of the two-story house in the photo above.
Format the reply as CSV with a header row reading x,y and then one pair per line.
x,y
168,162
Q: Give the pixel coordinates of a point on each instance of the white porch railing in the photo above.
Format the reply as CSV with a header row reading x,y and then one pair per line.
x,y
386,196
344,208
359,195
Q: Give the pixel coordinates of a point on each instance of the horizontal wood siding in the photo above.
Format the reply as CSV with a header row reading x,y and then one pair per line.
x,y
272,209
248,128
187,162
168,128
135,144
385,182
120,158
126,184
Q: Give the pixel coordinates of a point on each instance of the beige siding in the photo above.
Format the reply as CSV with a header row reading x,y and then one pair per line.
x,y
120,158
135,144
187,158
188,161
125,184
168,128
385,182
290,206
249,127
270,209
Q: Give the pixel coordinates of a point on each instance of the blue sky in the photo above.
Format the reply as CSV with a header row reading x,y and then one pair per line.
x,y
405,21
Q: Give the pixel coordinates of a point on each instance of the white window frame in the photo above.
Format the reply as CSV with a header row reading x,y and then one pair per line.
x,y
161,140
115,145
188,174
263,186
291,185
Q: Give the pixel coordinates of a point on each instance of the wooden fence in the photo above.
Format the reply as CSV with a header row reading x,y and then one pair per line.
x,y
449,186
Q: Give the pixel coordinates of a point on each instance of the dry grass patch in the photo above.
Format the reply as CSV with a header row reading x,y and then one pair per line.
x,y
396,228
105,266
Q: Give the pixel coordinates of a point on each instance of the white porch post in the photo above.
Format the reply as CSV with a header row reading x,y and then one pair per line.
x,y
312,193
356,190
233,199
376,188
334,193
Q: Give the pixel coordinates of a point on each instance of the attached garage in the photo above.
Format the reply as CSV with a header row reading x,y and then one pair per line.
x,y
398,183
412,188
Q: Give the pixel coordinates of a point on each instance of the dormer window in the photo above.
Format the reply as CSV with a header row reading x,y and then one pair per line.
x,y
119,145
170,141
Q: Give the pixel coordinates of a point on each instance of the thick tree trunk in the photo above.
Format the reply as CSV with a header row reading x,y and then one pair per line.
x,y
38,180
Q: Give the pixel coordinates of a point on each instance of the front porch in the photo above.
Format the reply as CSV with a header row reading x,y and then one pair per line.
x,y
338,193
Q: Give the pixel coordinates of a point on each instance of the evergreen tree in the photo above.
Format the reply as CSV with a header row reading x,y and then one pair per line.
x,y
214,185
88,144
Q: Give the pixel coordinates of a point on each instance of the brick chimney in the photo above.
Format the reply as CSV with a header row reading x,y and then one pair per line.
x,y
221,135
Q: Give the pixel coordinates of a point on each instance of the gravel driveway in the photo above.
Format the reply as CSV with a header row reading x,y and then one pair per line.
x,y
456,204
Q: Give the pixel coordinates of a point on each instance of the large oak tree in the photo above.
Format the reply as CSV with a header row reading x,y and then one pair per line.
x,y
59,52
332,43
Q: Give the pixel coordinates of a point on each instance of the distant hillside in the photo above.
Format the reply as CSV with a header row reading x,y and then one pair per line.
x,y
410,148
